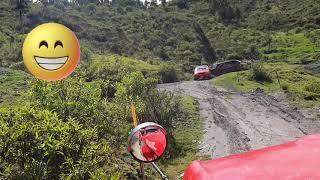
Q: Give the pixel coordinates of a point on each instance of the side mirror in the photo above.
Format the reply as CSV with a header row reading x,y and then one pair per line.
x,y
147,142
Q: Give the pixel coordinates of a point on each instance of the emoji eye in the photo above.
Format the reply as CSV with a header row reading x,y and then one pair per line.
x,y
58,43
43,43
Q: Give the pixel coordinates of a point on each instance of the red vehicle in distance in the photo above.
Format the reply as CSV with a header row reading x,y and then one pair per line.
x,y
202,72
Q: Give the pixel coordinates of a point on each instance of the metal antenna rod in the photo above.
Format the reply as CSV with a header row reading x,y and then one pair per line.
x,y
159,171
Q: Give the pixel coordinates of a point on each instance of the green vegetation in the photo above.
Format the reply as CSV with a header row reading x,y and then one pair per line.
x,y
292,47
260,74
184,32
36,143
73,128
301,86
105,66
12,84
77,128
188,134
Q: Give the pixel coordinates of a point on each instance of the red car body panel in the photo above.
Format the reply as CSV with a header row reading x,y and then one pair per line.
x,y
299,159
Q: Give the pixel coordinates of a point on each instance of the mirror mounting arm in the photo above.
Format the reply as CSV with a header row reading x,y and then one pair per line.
x,y
159,171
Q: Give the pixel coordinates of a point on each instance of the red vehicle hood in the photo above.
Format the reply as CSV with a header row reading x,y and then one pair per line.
x,y
299,159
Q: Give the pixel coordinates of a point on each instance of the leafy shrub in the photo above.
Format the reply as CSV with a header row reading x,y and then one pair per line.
x,y
151,104
108,69
84,103
298,30
165,109
313,86
10,53
37,144
75,98
306,61
312,90
233,57
285,86
251,53
311,26
131,89
114,68
168,74
259,73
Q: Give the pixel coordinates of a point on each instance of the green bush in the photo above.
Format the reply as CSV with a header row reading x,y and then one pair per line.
x,y
166,109
259,73
80,100
306,61
114,68
37,144
285,87
233,57
151,104
69,98
313,86
131,89
168,74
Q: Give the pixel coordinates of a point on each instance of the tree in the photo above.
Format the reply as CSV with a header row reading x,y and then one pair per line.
x,y
147,3
153,3
238,15
206,48
225,11
163,3
22,7
216,5
183,4
91,8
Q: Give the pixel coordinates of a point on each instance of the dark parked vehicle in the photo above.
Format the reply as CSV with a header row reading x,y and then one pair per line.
x,y
226,67
202,72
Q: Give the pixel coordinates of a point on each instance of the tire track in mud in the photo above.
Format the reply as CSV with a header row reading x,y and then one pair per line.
x,y
238,122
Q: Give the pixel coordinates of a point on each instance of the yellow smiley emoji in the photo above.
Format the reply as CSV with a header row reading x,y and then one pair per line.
x,y
51,51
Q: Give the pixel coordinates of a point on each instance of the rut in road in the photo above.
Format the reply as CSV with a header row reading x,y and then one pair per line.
x,y
238,122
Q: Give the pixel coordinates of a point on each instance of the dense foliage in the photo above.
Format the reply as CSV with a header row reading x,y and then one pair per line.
x,y
38,144
73,129
77,128
184,31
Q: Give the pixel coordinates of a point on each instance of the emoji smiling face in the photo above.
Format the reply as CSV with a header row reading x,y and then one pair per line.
x,y
51,51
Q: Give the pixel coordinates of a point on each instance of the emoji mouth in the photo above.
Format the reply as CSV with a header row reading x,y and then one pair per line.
x,y
51,63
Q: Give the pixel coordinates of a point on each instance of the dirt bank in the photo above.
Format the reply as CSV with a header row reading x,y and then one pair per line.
x,y
237,122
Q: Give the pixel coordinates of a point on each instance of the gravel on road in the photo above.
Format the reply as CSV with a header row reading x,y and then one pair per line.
x,y
238,122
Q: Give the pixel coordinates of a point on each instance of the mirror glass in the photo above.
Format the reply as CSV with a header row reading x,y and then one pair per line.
x,y
147,142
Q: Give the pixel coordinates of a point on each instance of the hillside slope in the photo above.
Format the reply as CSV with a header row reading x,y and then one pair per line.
x,y
77,128
199,32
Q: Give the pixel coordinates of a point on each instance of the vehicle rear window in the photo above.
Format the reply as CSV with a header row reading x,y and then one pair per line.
x,y
202,68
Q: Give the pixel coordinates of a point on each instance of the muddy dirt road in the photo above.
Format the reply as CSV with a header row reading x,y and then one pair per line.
x,y
236,122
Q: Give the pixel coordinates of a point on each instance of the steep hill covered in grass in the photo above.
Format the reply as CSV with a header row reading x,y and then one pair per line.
x,y
199,32
77,128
